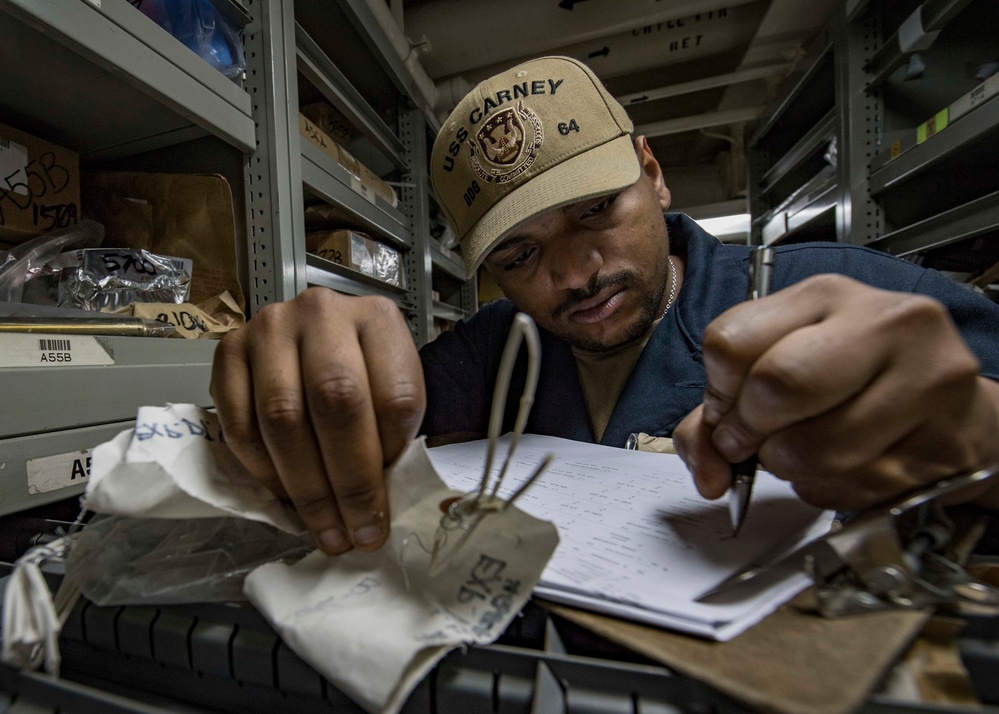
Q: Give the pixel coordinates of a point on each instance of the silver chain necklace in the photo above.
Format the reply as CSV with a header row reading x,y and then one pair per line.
x,y
672,285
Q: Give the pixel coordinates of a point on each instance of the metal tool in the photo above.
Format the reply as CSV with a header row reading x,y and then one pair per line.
x,y
761,266
127,326
463,515
895,555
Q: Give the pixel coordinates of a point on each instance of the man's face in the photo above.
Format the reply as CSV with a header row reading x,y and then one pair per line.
x,y
595,272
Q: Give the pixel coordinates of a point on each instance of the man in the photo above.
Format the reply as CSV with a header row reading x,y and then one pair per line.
x,y
853,388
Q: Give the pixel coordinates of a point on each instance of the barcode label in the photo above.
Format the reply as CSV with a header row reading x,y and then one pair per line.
x,y
52,350
178,263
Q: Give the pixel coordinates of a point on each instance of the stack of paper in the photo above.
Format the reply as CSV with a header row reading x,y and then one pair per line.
x,y
637,541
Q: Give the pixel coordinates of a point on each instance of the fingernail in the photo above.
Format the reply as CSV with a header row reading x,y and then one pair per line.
x,y
712,410
367,535
334,541
728,444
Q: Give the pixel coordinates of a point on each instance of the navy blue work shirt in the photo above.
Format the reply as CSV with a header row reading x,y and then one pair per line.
x,y
668,380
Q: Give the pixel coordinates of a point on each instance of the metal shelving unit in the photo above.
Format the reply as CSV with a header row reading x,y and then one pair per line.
x,y
791,180
328,180
106,82
338,53
911,179
154,92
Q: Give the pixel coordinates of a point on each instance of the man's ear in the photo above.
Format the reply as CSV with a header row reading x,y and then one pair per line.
x,y
652,170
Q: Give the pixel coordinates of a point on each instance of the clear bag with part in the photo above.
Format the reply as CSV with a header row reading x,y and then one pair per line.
x,y
116,560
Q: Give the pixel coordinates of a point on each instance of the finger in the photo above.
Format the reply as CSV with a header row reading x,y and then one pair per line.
x,y
231,388
398,394
692,441
804,374
739,336
283,418
887,440
338,396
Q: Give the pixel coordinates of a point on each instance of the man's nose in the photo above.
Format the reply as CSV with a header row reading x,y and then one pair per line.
x,y
573,263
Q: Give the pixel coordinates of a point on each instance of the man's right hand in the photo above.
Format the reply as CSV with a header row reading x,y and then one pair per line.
x,y
316,396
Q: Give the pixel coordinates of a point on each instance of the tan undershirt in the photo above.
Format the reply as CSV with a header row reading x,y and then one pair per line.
x,y
603,376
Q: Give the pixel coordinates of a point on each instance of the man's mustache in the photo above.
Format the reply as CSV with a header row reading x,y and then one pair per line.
x,y
597,284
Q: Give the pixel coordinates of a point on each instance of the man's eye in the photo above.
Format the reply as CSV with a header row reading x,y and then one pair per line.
x,y
598,208
519,259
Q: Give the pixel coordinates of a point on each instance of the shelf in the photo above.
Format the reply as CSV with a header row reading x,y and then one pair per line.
x,y
967,221
447,312
855,8
447,260
68,56
316,67
146,370
362,50
971,127
802,93
17,452
934,15
807,208
332,182
325,273
234,11
816,140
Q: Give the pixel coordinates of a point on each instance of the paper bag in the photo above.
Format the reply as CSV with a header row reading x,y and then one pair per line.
x,y
183,215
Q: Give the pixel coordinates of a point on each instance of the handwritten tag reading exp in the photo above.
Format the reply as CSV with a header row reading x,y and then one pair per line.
x,y
376,623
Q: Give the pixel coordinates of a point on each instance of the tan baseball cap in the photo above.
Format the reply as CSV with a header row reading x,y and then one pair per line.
x,y
540,135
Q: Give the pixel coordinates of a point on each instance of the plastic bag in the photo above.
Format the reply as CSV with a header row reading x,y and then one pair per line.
x,y
117,560
111,278
200,26
30,272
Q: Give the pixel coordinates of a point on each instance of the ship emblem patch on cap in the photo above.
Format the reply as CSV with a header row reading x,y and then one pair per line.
x,y
507,144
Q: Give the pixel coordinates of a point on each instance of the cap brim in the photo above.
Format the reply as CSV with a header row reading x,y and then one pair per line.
x,y
603,169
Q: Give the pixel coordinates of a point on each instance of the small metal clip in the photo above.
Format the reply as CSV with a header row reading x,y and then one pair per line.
x,y
890,556
464,514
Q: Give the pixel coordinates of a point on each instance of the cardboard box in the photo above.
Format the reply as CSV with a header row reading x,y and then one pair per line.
x,y
335,124
39,186
359,252
363,180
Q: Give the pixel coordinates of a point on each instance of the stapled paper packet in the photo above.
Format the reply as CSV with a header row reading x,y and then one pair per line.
x,y
374,624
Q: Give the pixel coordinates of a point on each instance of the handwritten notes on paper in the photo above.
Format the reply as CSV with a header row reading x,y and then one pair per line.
x,y
637,539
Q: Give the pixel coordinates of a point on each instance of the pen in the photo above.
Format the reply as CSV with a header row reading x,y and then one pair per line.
x,y
761,266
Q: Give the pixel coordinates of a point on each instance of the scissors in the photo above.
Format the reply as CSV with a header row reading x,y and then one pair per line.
x,y
893,555
464,514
